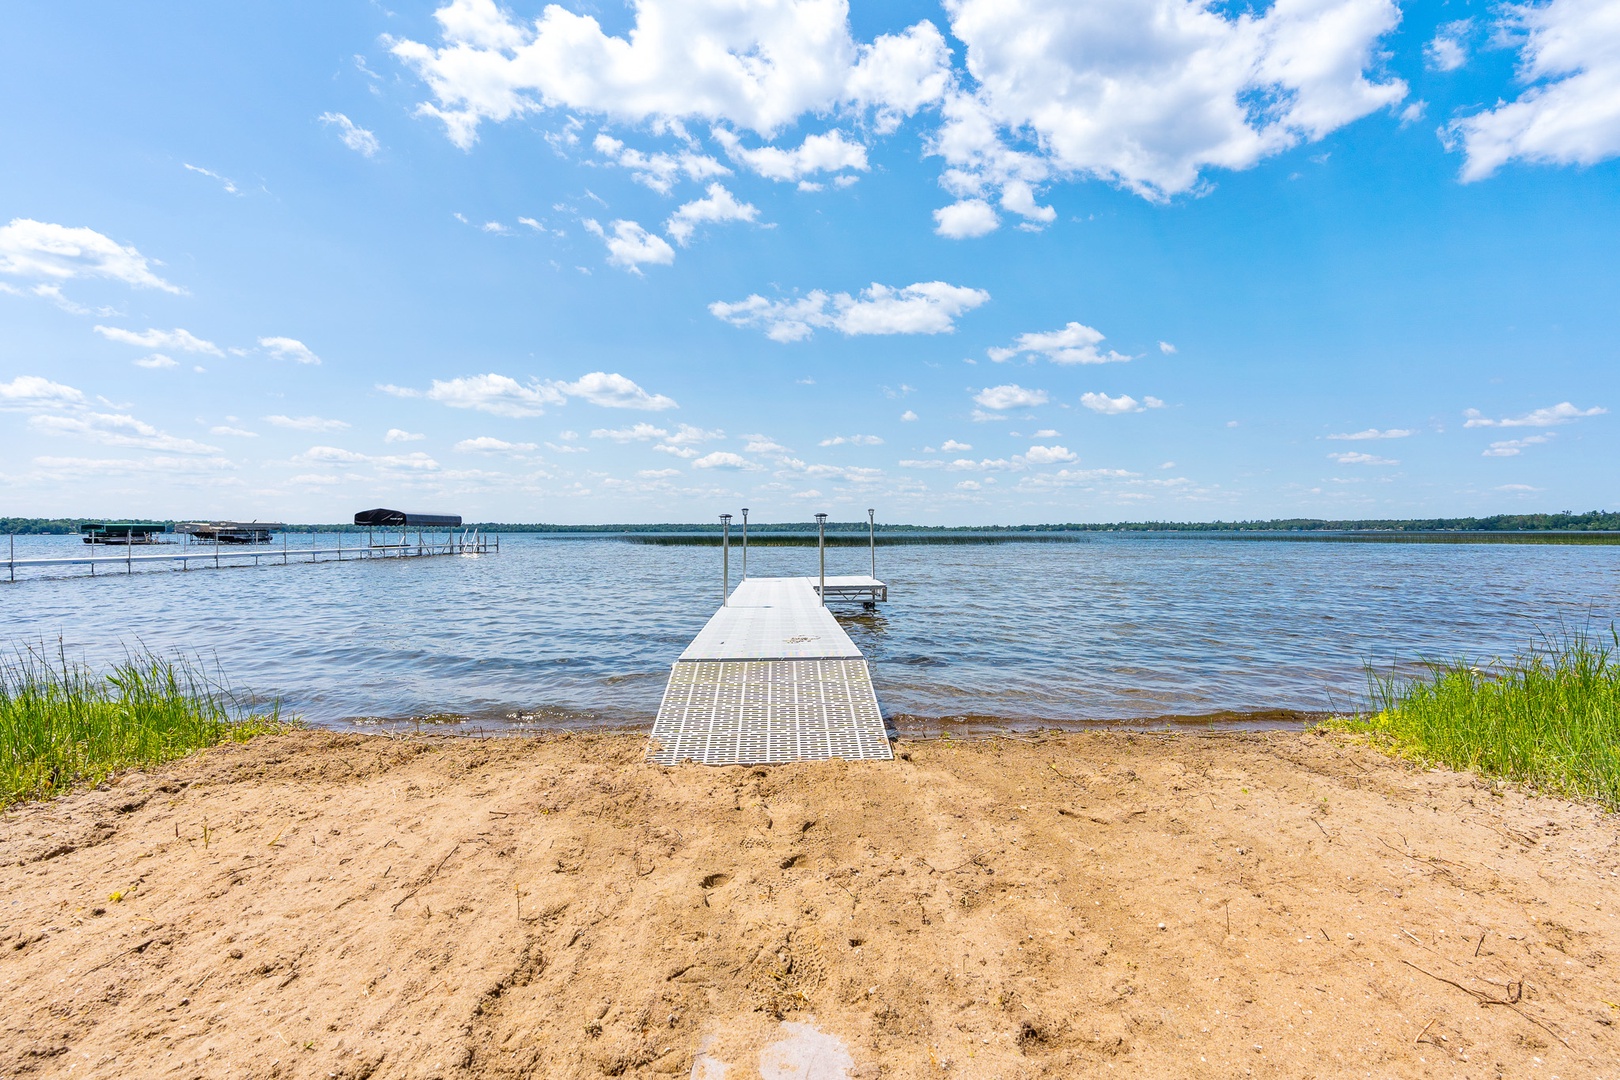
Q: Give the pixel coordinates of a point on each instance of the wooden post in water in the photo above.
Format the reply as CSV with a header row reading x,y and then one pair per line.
x,y
821,546
12,560
745,543
725,560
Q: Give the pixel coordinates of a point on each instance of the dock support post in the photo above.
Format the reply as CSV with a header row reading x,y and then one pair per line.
x,y
745,543
725,560
821,548
129,553
871,538
11,561
283,550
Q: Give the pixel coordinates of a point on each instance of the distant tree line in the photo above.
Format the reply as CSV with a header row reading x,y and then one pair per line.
x,y
1566,521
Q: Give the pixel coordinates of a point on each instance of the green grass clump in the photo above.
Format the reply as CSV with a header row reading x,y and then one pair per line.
x,y
1549,718
62,725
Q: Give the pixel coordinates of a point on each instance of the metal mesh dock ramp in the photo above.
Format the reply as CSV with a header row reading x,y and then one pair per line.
x,y
772,678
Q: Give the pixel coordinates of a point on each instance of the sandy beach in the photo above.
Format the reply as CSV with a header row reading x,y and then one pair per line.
x,y
1284,904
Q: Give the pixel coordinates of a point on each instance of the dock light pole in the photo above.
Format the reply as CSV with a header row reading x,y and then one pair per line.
x,y
745,543
871,537
725,560
821,547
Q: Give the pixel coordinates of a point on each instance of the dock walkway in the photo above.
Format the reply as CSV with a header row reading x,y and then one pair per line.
x,y
773,678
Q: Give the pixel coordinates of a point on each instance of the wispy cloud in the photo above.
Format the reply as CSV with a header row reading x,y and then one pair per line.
x,y
1373,433
306,423
1356,457
177,339
1514,447
39,249
356,138
1115,406
117,429
1551,416
719,205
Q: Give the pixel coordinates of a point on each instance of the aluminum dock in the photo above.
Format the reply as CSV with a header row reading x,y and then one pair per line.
x,y
773,678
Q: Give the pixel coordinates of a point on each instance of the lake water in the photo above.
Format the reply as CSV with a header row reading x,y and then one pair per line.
x,y
570,632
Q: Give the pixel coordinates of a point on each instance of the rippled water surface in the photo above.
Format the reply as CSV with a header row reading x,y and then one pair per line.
x,y
581,632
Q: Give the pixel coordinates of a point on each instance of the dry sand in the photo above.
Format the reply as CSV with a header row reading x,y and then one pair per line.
x,y
1282,905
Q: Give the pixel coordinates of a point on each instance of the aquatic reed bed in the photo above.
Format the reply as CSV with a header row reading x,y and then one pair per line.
x,y
1550,717
63,725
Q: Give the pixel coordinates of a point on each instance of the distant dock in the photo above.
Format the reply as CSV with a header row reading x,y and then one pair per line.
x,y
221,544
773,678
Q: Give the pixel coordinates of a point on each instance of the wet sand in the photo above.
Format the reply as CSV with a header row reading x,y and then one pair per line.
x,y
1276,904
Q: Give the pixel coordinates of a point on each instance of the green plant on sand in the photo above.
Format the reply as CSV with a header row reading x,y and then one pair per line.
x,y
1549,718
62,725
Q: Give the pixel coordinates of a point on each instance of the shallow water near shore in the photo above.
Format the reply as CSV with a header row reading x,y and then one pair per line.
x,y
562,632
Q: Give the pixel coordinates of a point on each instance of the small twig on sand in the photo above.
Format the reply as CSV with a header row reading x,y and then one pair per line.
x,y
1318,824
1481,942
1515,990
1425,1031
1409,934
429,878
1070,779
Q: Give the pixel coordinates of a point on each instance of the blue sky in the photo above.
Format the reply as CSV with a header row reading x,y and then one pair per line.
x,y
972,263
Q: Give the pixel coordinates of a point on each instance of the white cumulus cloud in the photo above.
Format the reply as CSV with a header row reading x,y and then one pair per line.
x,y
723,459
1114,406
629,245
1009,396
500,395
853,440
1448,49
827,152
286,348
1076,343
39,249
1149,93
930,307
758,67
1049,455
1569,112
719,205
966,218
614,391
399,435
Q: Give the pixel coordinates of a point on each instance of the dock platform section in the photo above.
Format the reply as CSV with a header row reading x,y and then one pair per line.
x,y
773,678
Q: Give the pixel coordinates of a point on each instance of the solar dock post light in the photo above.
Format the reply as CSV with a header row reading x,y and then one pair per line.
x,y
821,548
745,543
725,559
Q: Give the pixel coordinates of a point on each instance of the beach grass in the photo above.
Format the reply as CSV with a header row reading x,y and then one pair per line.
x,y
63,725
1548,718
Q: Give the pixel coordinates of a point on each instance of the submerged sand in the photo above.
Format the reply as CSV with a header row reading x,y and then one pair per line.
x,y
1279,904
